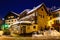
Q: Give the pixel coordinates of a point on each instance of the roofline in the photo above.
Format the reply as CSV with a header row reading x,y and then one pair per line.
x,y
33,9
23,11
56,10
36,8
42,4
15,13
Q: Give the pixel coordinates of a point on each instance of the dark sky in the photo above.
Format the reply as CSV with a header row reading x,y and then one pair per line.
x,y
19,5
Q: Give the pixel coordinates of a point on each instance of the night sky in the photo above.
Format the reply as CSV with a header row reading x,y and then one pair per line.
x,y
19,5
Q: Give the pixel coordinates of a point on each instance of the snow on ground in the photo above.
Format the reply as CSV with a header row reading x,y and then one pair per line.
x,y
47,33
51,33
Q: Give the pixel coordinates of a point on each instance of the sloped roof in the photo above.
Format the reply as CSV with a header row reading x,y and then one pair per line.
x,y
35,8
15,13
22,22
11,13
27,10
56,10
27,16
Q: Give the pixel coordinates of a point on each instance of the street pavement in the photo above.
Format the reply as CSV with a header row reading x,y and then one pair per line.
x,y
29,38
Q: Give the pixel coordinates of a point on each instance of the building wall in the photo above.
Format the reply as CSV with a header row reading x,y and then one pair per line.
x,y
55,18
33,28
41,18
10,21
11,18
28,28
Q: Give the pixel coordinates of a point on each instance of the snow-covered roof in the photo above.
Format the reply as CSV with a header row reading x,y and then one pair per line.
x,y
27,16
15,13
56,10
25,22
20,22
16,22
35,8
27,10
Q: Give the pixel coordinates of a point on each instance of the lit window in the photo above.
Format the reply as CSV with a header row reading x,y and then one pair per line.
x,y
8,17
12,16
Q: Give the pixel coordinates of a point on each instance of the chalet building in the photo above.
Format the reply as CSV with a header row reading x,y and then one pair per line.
x,y
38,16
11,18
55,19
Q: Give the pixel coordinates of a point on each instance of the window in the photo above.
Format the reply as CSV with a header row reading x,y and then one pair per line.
x,y
57,15
34,27
21,29
9,23
12,16
9,20
50,17
18,24
43,16
56,21
15,20
42,9
40,15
